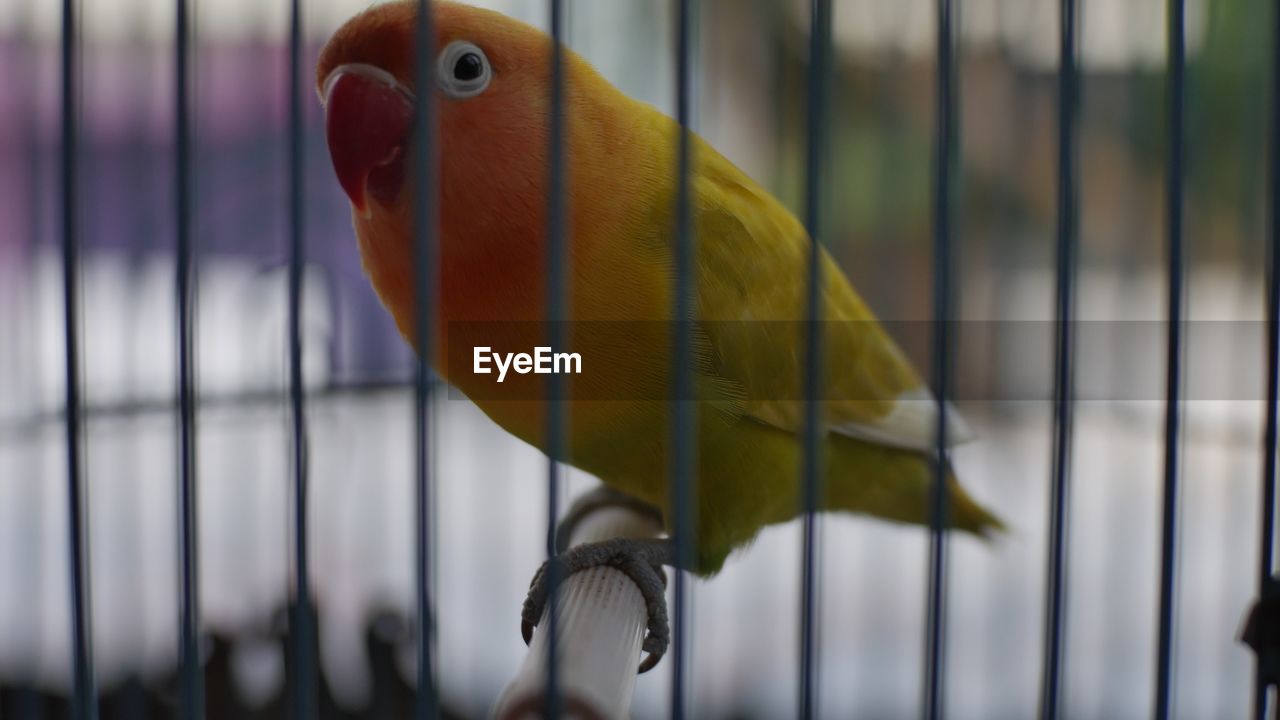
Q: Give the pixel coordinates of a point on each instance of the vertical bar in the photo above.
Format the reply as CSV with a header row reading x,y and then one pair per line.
x,y
1267,586
302,625
557,302
84,705
1173,388
684,407
814,419
192,691
942,267
1063,381
425,209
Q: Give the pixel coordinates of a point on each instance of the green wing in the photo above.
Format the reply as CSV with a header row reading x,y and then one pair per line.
x,y
753,258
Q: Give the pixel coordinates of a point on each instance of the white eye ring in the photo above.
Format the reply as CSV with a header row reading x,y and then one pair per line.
x,y
463,70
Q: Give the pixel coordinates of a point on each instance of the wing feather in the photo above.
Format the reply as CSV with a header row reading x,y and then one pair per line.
x,y
752,303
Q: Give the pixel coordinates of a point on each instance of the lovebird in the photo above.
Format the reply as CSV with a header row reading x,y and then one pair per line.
x,y
492,90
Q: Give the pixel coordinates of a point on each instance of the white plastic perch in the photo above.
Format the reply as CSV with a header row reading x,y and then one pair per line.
x,y
601,622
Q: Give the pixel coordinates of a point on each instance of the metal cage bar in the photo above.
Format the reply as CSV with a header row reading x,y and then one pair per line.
x,y
935,643
1174,359
556,312
425,261
301,626
190,670
84,703
1267,584
684,425
819,77
1063,380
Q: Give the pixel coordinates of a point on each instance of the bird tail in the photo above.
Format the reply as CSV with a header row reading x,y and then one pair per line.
x,y
897,485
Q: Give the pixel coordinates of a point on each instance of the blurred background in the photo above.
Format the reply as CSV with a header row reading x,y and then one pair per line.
x,y
750,68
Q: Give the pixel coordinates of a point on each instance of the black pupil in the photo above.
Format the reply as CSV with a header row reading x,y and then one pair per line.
x,y
469,67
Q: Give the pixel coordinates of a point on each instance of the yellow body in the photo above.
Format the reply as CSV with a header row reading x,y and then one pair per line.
x,y
752,256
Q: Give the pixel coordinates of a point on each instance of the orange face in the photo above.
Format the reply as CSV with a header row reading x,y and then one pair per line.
x,y
489,85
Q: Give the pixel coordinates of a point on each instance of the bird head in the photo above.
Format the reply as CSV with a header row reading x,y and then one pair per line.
x,y
490,85
488,80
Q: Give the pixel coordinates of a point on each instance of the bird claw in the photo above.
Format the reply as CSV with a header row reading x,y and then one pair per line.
x,y
639,560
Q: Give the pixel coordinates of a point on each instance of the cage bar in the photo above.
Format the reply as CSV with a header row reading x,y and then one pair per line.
x,y
557,304
935,643
302,624
819,78
189,665
1173,388
425,255
1063,381
84,703
684,405
1267,585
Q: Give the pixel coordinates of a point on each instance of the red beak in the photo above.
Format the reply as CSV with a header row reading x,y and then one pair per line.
x,y
368,119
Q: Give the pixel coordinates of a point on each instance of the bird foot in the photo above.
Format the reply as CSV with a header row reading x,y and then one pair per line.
x,y
639,560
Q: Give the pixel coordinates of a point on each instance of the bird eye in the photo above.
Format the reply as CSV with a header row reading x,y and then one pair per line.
x,y
463,69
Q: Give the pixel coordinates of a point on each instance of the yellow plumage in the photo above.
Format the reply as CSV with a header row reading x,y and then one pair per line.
x,y
752,256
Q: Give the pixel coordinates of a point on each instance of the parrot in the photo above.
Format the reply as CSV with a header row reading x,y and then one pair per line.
x,y
492,90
